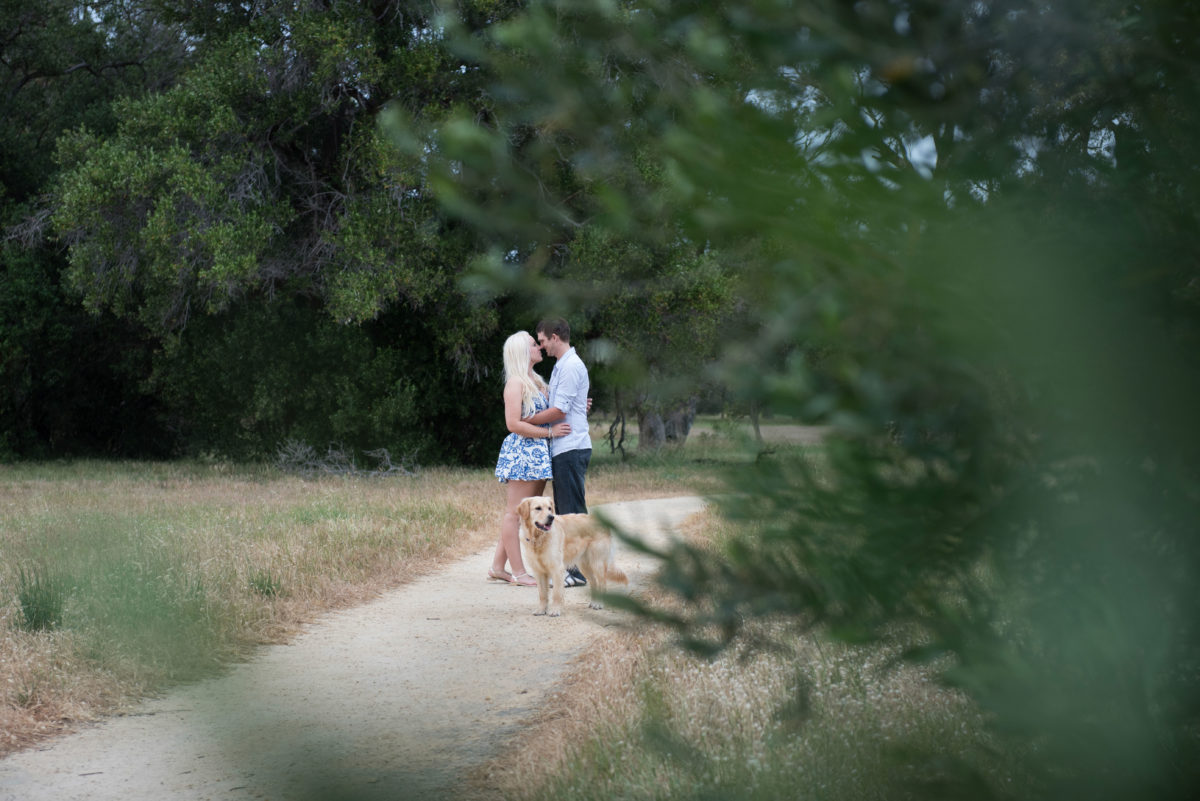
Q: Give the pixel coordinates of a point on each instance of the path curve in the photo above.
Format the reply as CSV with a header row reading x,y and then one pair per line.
x,y
395,699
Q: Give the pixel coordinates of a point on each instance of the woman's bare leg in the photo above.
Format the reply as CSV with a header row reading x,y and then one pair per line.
x,y
509,546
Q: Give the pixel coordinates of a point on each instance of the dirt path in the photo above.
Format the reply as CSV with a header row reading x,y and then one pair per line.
x,y
393,700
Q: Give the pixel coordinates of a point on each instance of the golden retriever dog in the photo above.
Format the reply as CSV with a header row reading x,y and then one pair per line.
x,y
554,541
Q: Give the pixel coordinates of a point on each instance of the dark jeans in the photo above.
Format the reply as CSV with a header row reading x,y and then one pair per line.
x,y
570,472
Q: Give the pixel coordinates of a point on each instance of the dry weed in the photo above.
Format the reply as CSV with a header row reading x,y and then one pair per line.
x,y
638,717
248,554
150,543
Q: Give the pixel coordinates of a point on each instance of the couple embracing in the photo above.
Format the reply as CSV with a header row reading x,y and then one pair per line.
x,y
549,438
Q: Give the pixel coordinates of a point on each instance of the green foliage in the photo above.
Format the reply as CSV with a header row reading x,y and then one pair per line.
x,y
262,168
251,181
966,238
70,382
244,382
61,68
209,160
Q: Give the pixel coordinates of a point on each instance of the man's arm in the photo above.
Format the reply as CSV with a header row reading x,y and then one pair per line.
x,y
551,415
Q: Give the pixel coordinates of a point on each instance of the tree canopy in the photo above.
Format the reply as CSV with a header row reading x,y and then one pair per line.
x,y
246,194
69,381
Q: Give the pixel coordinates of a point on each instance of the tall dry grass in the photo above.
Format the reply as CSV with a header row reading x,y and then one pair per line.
x,y
640,718
167,571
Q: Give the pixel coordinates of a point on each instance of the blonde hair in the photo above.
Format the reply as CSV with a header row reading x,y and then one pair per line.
x,y
517,365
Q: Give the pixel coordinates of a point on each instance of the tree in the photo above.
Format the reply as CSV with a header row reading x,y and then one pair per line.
x,y
64,62
981,217
654,304
662,304
256,186
261,172
69,382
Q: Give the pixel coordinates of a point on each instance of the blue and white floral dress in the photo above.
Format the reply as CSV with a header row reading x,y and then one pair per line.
x,y
525,458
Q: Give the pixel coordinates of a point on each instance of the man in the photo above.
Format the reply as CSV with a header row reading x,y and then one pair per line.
x,y
570,454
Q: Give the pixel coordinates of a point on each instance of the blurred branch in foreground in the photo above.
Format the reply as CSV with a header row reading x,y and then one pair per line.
x,y
963,235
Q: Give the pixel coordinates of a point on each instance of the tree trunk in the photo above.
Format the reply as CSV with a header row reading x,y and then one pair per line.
x,y
618,425
754,422
651,430
679,421
655,430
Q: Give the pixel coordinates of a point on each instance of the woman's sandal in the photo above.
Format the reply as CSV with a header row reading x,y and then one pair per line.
x,y
503,575
529,581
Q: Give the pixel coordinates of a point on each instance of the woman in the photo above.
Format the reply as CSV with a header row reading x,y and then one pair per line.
x,y
524,463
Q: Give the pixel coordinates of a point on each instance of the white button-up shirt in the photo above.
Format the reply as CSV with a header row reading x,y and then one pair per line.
x,y
569,386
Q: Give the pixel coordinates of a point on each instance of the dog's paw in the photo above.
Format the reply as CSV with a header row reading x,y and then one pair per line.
x,y
554,612
539,612
595,605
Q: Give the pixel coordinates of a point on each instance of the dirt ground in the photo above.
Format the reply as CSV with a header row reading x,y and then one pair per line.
x,y
400,698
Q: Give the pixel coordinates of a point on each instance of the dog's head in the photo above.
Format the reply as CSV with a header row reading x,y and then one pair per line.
x,y
537,513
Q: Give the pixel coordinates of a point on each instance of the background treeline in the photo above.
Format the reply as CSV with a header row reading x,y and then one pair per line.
x,y
211,247
180,107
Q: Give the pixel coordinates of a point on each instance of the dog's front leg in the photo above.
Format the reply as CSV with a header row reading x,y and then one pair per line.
x,y
543,585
